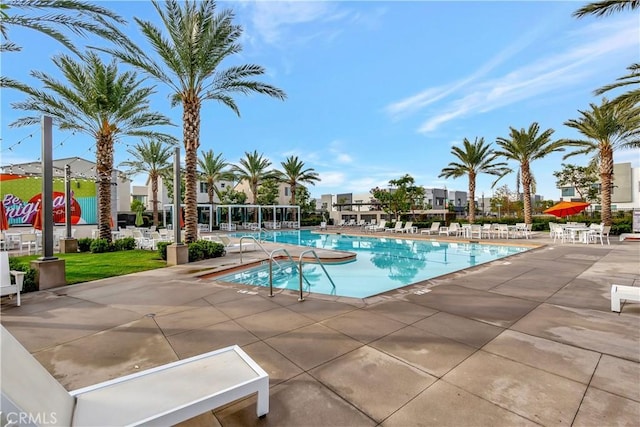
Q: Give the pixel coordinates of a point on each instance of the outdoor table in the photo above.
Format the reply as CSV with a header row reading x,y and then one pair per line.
x,y
582,232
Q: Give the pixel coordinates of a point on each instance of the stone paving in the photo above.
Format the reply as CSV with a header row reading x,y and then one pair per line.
x,y
527,340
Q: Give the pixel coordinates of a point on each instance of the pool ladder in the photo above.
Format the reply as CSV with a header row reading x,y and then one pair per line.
x,y
300,270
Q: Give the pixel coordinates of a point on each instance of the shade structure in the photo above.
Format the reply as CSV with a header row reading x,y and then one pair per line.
x,y
563,209
4,223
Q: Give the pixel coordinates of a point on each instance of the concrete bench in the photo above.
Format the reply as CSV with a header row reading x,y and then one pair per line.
x,y
164,395
620,292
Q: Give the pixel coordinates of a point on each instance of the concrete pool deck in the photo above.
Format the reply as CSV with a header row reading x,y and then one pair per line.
x,y
527,340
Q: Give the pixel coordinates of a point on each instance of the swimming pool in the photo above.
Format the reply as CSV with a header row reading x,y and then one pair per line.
x,y
381,263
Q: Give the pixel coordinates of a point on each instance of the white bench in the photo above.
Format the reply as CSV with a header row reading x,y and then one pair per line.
x,y
620,292
164,395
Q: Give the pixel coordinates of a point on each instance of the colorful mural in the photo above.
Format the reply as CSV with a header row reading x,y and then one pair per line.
x,y
22,198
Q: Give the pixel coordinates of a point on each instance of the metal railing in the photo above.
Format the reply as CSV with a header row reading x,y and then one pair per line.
x,y
255,242
271,261
301,298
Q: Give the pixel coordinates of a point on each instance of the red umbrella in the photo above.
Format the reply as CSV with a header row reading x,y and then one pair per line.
x,y
181,218
4,223
567,208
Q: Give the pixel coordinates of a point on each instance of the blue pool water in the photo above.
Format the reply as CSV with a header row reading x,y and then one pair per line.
x,y
381,264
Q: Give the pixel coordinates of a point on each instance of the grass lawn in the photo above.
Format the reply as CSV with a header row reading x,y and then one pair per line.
x,y
85,266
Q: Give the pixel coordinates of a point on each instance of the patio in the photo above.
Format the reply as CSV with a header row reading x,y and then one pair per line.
x,y
528,340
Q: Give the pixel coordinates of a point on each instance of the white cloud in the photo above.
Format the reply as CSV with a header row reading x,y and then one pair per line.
x,y
562,70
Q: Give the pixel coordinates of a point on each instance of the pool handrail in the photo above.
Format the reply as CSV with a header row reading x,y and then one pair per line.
x,y
301,298
272,260
255,241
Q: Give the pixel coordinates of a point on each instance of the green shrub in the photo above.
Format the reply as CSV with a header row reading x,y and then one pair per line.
x,y
125,244
84,244
29,284
203,249
162,249
99,246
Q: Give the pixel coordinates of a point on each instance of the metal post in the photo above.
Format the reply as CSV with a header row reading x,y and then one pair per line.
x,y
47,188
176,196
67,200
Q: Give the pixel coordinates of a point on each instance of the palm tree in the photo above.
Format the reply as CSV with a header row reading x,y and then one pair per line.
x,y
606,7
154,159
100,102
78,17
198,40
525,146
212,170
474,158
294,173
253,169
607,127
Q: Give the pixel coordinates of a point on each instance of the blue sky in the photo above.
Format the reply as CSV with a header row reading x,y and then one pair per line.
x,y
380,89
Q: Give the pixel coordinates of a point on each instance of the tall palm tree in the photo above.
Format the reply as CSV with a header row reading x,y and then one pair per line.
x,y
474,158
77,17
153,158
294,173
606,7
197,41
525,146
212,170
607,127
98,101
253,168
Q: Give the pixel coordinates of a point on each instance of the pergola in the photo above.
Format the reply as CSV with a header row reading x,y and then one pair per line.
x,y
200,205
242,211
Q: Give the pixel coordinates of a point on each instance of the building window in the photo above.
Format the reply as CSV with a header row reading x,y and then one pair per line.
x,y
222,184
568,192
203,187
286,191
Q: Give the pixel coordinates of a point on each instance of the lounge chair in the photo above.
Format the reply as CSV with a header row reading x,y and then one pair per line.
x,y
6,285
453,229
164,395
396,228
620,292
408,228
379,227
230,245
435,228
323,225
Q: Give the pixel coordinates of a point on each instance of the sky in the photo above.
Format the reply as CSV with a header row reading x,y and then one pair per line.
x,y
376,90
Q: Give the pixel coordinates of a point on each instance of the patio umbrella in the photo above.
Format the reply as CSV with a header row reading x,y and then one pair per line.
x,y
4,223
139,220
181,218
566,208
37,220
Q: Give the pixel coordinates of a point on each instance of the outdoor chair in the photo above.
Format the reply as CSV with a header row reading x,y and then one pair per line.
x,y
600,233
487,230
323,225
435,228
379,227
7,286
397,227
164,395
408,228
620,292
29,240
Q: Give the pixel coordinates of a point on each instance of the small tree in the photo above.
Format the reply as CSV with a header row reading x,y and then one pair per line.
x,y
583,178
268,192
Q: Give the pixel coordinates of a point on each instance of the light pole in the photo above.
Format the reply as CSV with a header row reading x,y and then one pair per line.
x,y
498,205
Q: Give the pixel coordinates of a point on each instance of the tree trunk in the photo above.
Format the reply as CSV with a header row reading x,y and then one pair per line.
x,y
606,182
472,197
154,194
191,131
526,188
104,168
293,194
